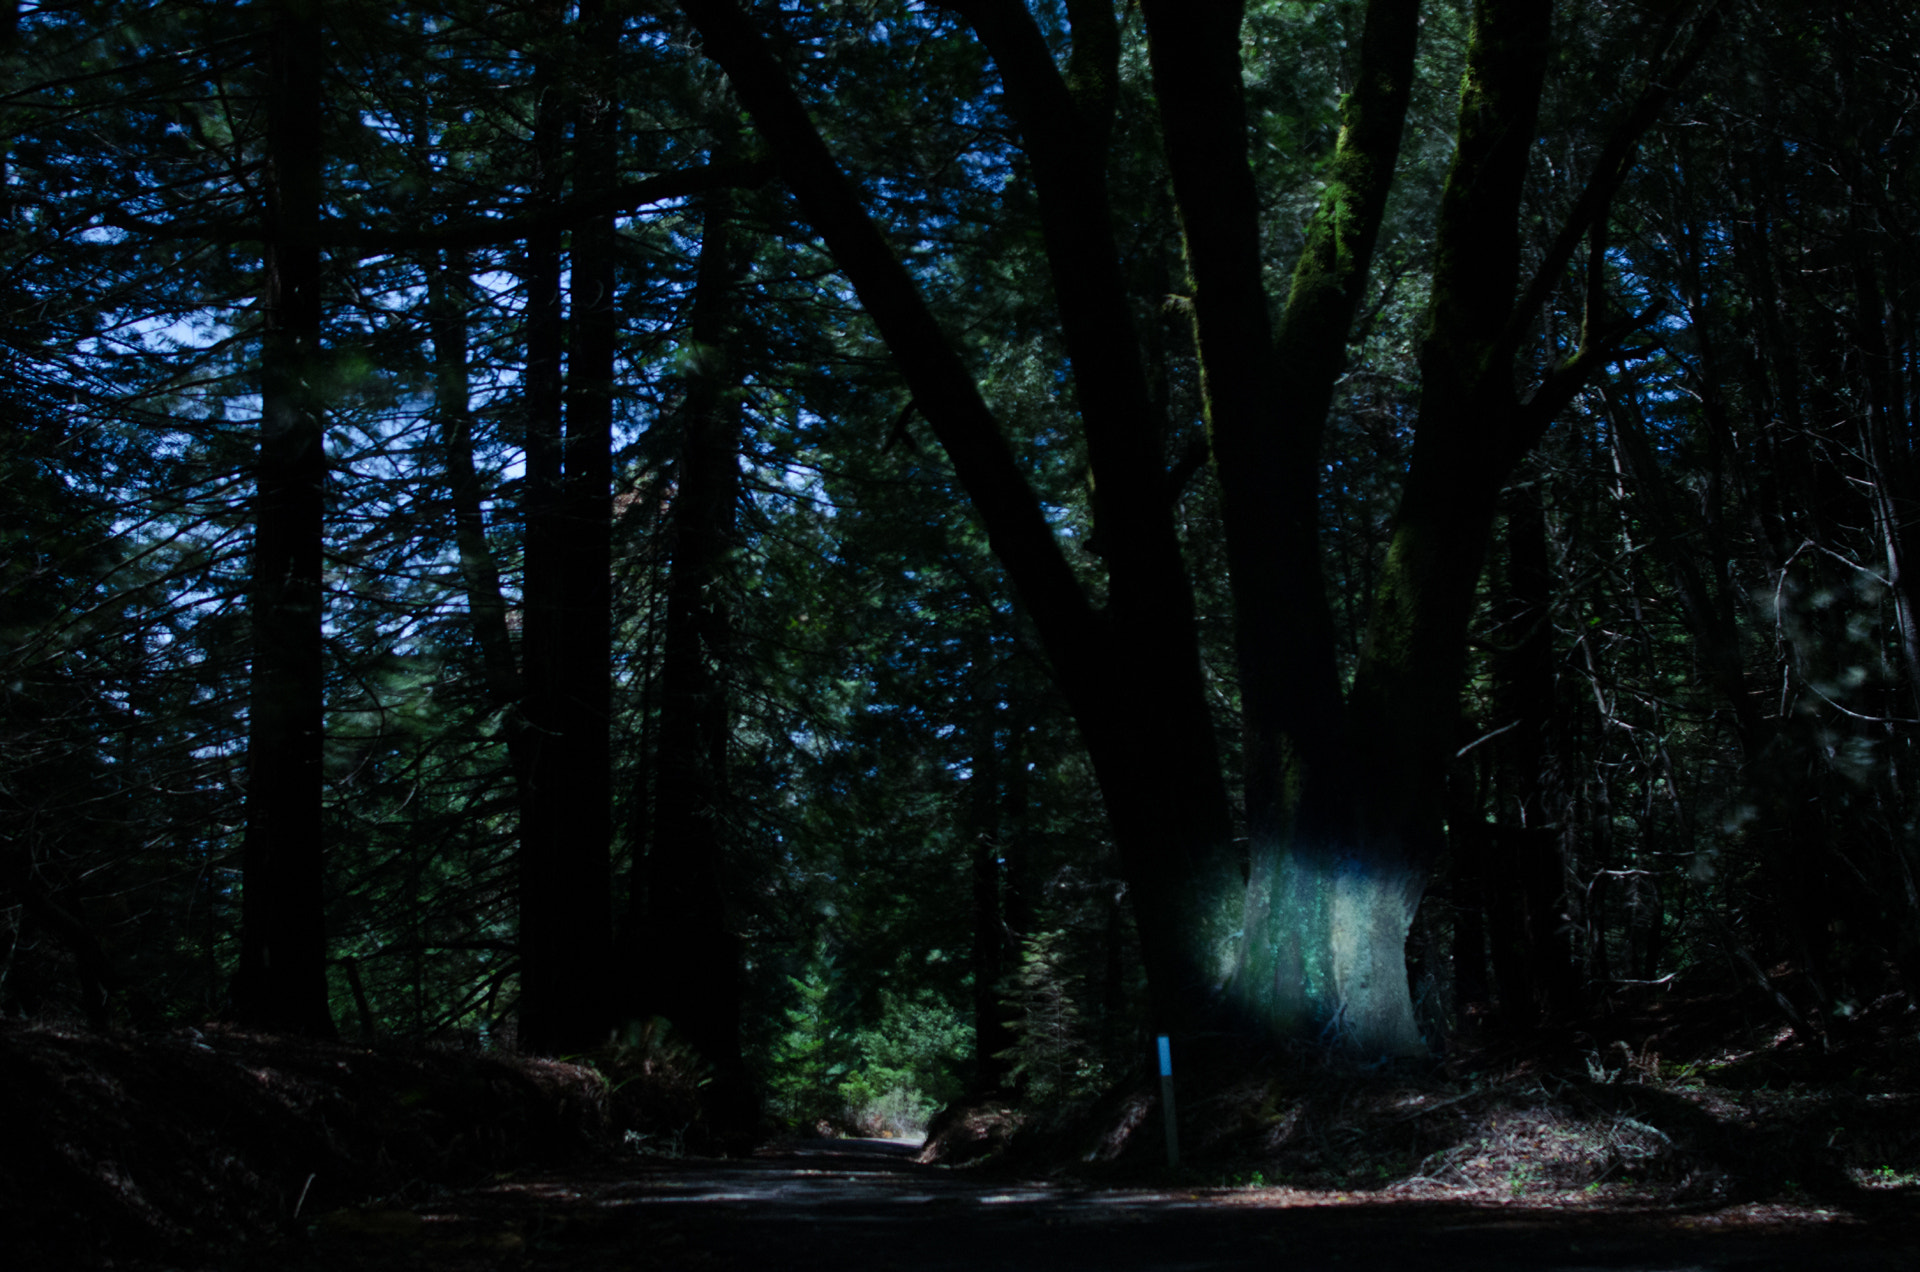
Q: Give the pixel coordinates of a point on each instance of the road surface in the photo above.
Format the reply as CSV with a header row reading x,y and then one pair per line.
x,y
860,1205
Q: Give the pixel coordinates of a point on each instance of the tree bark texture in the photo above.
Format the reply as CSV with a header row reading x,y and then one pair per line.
x,y
1322,946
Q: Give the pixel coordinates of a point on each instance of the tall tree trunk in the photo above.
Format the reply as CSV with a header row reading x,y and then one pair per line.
x,y
1143,714
982,821
691,955
1896,486
566,917
1405,696
644,759
544,934
282,978
1314,960
448,298
1344,892
1528,883
583,679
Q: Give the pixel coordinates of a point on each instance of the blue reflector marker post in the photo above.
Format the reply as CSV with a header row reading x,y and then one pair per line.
x,y
1166,1103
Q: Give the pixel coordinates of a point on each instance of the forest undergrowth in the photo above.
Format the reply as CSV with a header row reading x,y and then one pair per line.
x,y
196,1137
1688,1099
1691,1095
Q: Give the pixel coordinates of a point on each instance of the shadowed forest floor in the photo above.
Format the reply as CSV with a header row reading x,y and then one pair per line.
x,y
1649,1150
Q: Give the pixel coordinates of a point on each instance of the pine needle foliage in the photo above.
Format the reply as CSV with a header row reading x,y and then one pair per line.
x,y
1055,1060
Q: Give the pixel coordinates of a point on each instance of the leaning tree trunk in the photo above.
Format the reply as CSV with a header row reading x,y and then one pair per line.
x,y
448,298
282,979
1131,672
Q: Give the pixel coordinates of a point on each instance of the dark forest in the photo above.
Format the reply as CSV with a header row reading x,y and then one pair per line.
x,y
732,572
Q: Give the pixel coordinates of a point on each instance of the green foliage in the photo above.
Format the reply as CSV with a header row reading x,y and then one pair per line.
x,y
657,1084
1055,1058
813,1052
886,1077
908,1064
871,620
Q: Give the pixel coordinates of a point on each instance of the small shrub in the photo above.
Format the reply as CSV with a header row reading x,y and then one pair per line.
x,y
899,1112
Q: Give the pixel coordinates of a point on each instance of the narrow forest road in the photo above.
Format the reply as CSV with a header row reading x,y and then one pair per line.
x,y
849,1206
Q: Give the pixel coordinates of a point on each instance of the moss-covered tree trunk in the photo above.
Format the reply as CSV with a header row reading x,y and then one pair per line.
x,y
1330,919
1345,800
1322,925
1343,796
1134,681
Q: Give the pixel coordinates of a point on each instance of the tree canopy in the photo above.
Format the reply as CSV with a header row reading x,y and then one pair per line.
x,y
918,543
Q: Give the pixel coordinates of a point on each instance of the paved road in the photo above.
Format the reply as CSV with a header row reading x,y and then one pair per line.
x,y
854,1206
